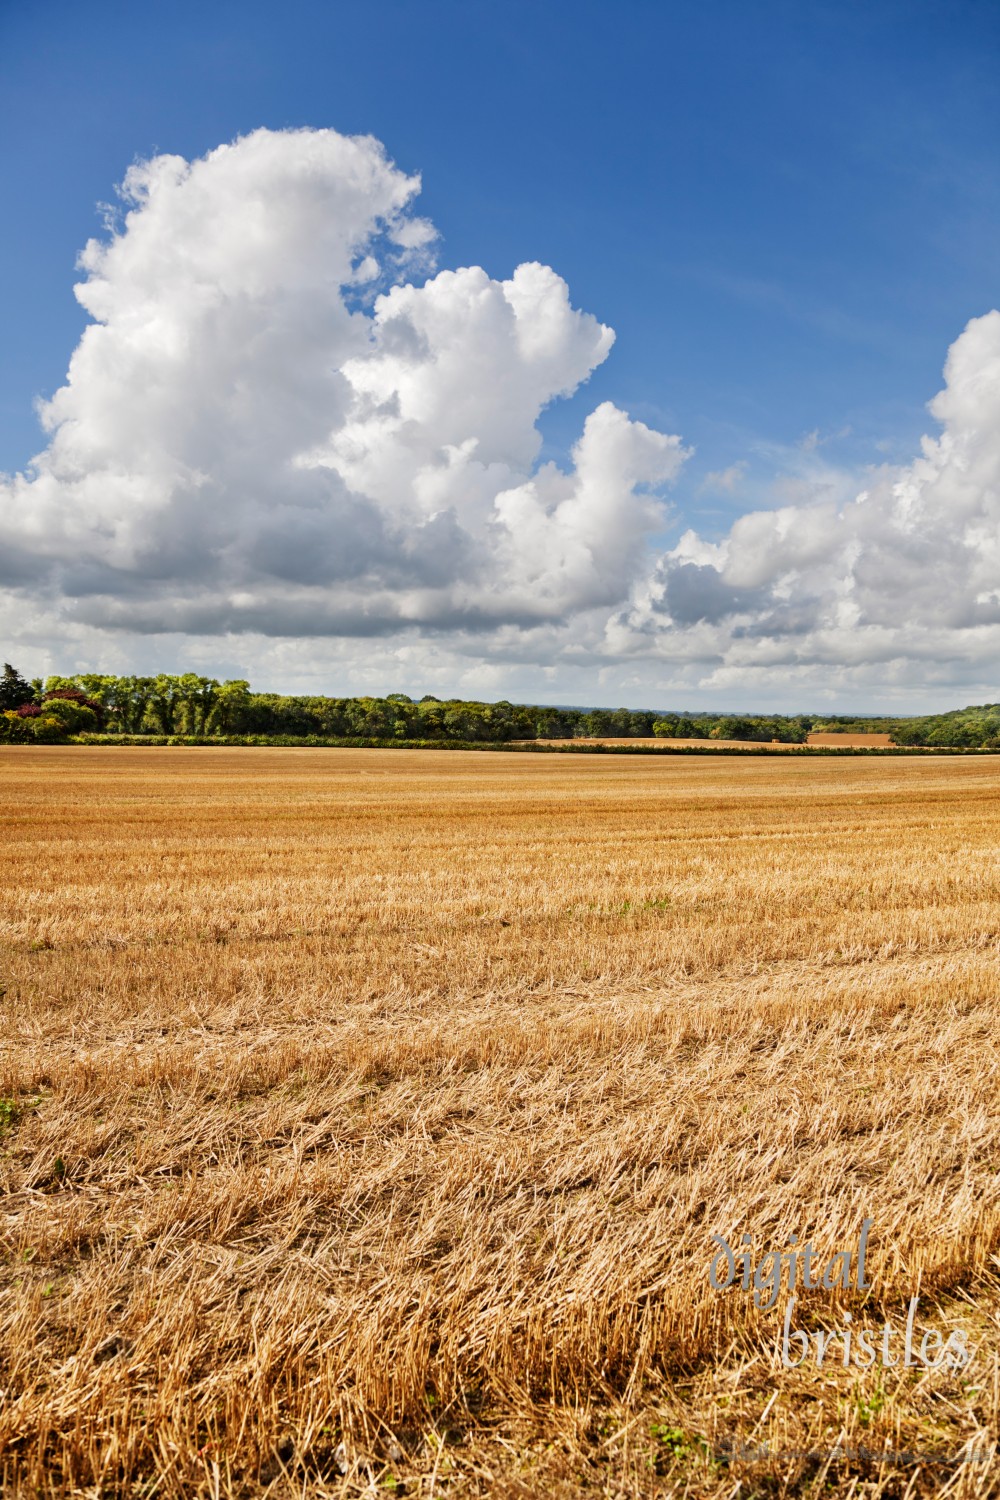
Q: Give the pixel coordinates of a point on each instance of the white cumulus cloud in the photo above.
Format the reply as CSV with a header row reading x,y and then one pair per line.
x,y
903,573
288,446
246,441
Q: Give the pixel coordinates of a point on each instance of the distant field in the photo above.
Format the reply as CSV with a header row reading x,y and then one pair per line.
x,y
365,1120
844,742
682,744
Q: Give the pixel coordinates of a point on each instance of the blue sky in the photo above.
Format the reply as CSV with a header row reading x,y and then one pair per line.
x,y
787,212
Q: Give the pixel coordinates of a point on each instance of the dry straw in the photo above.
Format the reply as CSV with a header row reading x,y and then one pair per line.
x,y
366,1118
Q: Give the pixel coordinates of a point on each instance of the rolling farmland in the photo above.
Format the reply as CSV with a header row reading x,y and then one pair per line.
x,y
366,1118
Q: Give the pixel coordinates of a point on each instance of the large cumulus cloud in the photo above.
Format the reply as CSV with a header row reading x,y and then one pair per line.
x,y
904,571
269,426
288,446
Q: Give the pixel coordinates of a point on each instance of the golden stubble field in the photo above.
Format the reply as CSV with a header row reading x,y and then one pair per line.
x,y
366,1116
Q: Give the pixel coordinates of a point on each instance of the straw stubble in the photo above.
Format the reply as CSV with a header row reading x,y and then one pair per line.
x,y
359,1103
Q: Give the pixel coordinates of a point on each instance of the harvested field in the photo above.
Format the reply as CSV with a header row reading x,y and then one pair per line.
x,y
366,1118
667,744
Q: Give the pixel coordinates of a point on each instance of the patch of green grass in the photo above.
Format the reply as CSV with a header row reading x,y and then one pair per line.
x,y
674,1439
870,1406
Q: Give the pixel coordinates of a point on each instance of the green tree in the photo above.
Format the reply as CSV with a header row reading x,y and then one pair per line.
x,y
231,710
49,729
14,690
76,718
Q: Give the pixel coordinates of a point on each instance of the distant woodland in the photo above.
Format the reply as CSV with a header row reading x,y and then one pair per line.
x,y
189,707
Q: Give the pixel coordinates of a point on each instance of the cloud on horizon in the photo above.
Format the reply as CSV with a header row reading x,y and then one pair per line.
x,y
283,425
905,571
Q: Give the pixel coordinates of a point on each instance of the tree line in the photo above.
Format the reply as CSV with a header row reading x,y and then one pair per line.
x,y
188,706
